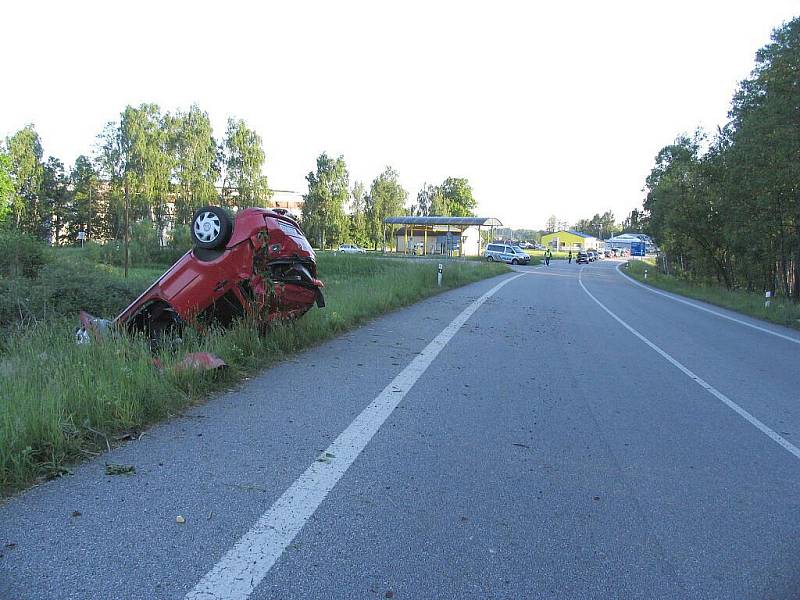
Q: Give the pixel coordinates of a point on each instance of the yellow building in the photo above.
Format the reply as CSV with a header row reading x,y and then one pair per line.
x,y
569,240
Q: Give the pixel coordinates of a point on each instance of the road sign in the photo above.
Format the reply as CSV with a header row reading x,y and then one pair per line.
x,y
638,248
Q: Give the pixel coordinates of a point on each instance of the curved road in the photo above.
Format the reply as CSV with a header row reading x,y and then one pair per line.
x,y
553,433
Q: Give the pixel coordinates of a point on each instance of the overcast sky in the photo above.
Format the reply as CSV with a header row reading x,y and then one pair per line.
x,y
547,108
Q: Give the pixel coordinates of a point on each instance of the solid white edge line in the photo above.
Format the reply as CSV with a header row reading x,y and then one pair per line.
x,y
708,310
772,434
242,568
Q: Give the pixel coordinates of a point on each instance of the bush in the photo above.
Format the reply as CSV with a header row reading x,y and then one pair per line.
x,y
180,238
21,255
64,288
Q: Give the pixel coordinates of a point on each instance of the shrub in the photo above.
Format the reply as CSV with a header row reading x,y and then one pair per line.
x,y
21,255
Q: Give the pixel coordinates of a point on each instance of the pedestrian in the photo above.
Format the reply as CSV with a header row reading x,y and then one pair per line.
x,y
569,258
547,255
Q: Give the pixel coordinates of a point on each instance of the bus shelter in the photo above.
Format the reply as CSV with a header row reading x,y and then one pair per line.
x,y
450,236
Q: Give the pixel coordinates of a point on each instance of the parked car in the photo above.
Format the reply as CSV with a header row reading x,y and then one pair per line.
x,y
582,257
607,253
351,249
505,253
258,264
592,255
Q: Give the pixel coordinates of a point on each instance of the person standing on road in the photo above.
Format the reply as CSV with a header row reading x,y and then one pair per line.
x,y
547,255
569,258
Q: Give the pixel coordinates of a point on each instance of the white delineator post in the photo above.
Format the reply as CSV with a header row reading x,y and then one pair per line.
x,y
645,273
439,275
767,295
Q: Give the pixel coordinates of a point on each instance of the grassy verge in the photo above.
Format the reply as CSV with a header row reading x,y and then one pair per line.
x,y
539,254
780,311
60,402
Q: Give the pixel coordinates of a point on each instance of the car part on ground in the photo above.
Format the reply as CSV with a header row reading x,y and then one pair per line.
x,y
258,265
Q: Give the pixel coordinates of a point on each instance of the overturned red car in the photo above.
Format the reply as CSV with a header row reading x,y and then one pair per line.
x,y
258,264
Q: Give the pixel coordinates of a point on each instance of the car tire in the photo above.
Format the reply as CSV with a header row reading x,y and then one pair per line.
x,y
211,227
514,261
490,258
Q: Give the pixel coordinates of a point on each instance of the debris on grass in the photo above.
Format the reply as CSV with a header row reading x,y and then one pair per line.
x,y
180,520
116,469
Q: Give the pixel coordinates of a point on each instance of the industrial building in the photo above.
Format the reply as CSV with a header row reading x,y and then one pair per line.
x,y
566,240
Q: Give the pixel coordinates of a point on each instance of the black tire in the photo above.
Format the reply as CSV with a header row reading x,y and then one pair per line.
x,y
514,261
490,258
211,227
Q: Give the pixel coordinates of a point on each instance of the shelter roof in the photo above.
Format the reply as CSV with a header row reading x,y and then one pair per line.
x,y
457,221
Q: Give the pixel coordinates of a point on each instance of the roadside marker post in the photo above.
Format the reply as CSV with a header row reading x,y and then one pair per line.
x,y
767,295
645,273
439,275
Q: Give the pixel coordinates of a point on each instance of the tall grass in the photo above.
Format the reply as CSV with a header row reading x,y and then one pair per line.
x,y
60,402
781,310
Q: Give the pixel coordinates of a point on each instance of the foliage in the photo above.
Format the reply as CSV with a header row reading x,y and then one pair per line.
x,y
243,159
21,255
386,198
25,155
732,213
196,170
358,215
323,209
6,186
599,226
453,198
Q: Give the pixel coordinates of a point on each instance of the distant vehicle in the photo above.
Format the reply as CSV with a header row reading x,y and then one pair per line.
x,y
582,257
592,255
538,247
607,253
505,253
351,249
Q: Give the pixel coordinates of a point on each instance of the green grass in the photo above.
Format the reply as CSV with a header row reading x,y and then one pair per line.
x,y
60,402
555,255
780,311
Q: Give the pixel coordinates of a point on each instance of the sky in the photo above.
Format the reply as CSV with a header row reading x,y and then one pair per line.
x,y
546,107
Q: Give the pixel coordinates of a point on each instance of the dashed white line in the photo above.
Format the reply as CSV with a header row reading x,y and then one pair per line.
x,y
772,434
708,310
243,567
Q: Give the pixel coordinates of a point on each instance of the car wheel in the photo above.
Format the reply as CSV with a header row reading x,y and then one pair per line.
x,y
211,227
490,258
514,261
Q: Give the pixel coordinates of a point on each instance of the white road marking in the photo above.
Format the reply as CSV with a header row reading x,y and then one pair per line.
x,y
774,436
243,567
708,310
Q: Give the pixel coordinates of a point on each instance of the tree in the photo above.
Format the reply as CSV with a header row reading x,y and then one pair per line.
x,y
358,214
88,211
552,224
25,155
243,159
148,163
55,201
323,209
386,198
195,169
6,186
458,197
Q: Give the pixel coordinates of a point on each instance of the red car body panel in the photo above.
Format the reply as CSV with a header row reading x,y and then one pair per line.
x,y
267,265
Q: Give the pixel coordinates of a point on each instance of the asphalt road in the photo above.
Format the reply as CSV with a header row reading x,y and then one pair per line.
x,y
542,449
